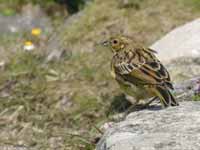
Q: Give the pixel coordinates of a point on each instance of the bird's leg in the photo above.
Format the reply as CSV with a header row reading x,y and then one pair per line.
x,y
131,108
135,106
149,102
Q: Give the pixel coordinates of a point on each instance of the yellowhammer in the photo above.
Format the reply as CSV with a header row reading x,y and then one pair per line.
x,y
139,73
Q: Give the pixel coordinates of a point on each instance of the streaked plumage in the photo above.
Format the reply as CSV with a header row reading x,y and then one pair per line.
x,y
139,72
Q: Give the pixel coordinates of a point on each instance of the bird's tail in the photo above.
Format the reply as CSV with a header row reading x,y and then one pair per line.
x,y
166,97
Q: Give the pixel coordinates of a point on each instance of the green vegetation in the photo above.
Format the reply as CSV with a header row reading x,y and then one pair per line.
x,y
59,104
73,5
11,7
195,4
196,98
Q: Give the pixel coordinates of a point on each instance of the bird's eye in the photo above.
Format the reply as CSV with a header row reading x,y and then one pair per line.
x,y
115,41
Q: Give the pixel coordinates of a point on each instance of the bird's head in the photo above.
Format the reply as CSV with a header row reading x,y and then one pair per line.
x,y
117,43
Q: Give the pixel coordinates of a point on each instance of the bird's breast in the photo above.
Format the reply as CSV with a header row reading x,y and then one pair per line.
x,y
136,91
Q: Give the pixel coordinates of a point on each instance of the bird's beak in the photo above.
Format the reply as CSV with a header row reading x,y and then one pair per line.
x,y
105,43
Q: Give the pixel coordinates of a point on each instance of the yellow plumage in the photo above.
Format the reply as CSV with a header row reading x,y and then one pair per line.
x,y
138,71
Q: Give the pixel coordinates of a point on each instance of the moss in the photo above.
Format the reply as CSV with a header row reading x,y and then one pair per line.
x,y
196,98
195,4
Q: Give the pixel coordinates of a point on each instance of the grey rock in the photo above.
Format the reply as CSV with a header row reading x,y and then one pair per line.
x,y
55,55
56,47
183,68
9,147
30,17
183,41
174,128
185,90
179,51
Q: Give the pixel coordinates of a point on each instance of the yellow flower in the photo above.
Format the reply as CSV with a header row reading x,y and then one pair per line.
x,y
36,31
28,46
28,43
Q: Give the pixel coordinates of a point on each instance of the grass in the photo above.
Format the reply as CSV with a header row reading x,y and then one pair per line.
x,y
146,24
52,7
11,8
39,103
196,98
57,104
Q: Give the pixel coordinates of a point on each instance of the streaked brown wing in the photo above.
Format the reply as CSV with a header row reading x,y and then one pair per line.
x,y
145,69
155,70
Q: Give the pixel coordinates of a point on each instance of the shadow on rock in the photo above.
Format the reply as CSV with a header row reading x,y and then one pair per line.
x,y
119,104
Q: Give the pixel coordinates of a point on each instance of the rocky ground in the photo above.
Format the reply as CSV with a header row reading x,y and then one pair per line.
x,y
58,95
175,128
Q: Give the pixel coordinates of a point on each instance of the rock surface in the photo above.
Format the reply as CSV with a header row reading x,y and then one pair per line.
x,y
183,41
180,51
174,128
183,69
30,17
56,49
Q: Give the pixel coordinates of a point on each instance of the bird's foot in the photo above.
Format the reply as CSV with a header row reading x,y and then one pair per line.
x,y
136,107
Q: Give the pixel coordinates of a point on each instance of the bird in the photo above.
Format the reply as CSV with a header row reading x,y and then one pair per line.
x,y
139,72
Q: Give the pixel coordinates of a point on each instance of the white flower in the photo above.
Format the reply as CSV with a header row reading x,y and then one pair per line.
x,y
106,126
2,64
28,46
13,29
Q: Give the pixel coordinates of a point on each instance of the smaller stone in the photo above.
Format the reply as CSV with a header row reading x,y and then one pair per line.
x,y
183,41
173,128
106,126
197,88
2,64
